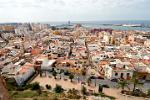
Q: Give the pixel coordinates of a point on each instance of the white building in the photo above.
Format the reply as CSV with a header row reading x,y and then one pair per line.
x,y
118,70
24,73
147,43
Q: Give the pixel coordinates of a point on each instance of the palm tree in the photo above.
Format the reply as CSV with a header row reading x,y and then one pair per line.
x,y
83,71
89,81
83,90
54,74
123,84
100,88
95,80
61,71
78,79
135,81
71,76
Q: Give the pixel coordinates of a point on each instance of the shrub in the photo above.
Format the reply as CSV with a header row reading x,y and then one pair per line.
x,y
73,94
58,89
35,86
20,89
148,92
48,87
71,76
100,88
28,86
84,90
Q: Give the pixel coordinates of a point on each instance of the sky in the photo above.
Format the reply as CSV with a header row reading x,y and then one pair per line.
x,y
73,10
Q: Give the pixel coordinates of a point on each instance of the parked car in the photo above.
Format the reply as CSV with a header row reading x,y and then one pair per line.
x,y
93,77
65,79
67,73
137,92
99,77
106,86
83,83
114,80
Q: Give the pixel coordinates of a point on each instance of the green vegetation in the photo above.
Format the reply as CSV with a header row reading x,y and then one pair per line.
x,y
11,84
135,81
71,76
61,71
83,71
24,94
48,87
21,95
100,88
54,73
35,86
103,95
58,89
123,84
148,92
84,90
89,81
73,94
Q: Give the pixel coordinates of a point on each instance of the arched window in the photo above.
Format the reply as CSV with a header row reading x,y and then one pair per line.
x,y
121,76
116,74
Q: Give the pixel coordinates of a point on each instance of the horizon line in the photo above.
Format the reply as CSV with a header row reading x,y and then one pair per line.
x,y
73,21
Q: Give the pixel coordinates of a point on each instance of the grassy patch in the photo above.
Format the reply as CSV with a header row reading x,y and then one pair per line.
x,y
34,95
24,94
104,95
15,95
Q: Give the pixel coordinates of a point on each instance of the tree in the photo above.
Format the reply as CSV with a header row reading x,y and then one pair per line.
x,y
54,74
83,90
48,87
123,84
73,94
95,80
135,81
100,88
73,91
71,76
52,70
83,72
58,89
35,86
61,71
89,81
113,41
148,92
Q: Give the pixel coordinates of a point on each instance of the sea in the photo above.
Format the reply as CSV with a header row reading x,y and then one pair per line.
x,y
116,25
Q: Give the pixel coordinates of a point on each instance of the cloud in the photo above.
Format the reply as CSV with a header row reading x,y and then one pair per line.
x,y
75,3
72,9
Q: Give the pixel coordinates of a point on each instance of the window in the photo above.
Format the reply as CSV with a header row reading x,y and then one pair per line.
x,y
116,74
121,75
128,74
124,66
